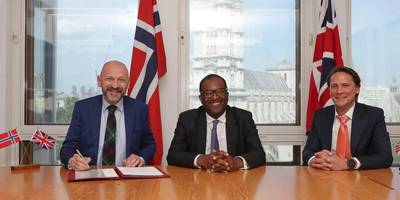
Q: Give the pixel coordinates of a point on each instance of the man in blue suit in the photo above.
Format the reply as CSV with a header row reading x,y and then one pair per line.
x,y
110,127
362,127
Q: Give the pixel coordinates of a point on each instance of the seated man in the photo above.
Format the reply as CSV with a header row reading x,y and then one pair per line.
x,y
109,129
347,135
216,136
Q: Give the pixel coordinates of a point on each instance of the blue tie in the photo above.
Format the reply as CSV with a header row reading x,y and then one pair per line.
x,y
214,138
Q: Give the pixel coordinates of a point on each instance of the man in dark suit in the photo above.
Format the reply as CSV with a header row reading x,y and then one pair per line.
x,y
109,129
216,136
347,135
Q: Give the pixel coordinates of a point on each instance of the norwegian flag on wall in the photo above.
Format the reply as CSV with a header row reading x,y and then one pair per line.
x,y
8,138
43,140
147,66
327,55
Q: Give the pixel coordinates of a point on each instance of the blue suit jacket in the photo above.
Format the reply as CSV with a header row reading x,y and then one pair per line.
x,y
84,130
370,142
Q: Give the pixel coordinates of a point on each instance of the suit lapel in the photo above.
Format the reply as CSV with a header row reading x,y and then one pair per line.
x,y
128,115
231,131
356,123
201,130
96,116
327,127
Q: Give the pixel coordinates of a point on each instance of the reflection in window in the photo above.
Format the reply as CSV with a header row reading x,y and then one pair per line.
x,y
252,44
375,43
67,42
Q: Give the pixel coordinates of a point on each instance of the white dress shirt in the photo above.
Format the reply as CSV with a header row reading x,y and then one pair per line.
x,y
120,133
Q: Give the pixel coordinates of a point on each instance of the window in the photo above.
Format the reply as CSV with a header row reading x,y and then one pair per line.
x,y
375,29
253,44
67,42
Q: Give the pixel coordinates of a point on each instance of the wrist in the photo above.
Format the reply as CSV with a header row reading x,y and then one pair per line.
x,y
351,163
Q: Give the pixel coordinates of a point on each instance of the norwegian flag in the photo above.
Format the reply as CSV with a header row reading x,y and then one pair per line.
x,y
327,55
43,140
147,66
8,138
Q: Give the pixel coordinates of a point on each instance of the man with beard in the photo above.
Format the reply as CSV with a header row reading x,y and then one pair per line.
x,y
109,129
215,136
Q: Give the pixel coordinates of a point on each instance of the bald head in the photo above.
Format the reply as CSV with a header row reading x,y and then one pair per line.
x,y
116,66
113,80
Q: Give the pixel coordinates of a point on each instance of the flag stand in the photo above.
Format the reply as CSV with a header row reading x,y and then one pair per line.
x,y
24,156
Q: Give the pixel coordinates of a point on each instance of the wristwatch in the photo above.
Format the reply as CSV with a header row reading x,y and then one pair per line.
x,y
351,163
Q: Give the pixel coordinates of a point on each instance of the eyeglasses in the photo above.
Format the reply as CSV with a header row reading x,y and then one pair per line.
x,y
221,92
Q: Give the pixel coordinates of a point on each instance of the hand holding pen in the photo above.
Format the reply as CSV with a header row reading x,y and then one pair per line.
x,y
78,162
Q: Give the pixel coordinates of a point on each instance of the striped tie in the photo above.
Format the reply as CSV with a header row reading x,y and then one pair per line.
x,y
109,139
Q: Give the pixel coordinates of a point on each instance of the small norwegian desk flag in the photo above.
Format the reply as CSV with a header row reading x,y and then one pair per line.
x,y
8,138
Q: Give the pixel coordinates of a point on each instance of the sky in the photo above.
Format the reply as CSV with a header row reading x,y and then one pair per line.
x,y
376,35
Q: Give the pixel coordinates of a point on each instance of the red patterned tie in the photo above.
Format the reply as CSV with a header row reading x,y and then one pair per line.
x,y
343,141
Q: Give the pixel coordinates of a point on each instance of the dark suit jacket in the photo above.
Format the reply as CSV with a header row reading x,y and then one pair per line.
x,y
84,130
370,142
191,132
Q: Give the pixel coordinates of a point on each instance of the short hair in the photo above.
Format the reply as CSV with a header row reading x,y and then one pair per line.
x,y
211,76
347,70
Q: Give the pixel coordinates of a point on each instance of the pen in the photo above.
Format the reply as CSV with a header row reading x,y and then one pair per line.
x,y
79,153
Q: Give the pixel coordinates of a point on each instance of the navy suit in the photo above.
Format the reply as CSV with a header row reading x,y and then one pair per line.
x,y
191,134
84,130
370,142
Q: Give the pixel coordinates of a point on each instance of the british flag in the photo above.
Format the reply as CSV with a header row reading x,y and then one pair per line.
x,y
327,55
43,140
148,66
8,138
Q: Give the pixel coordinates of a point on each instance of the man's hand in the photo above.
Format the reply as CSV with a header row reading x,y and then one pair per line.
x,y
336,163
134,161
210,161
327,160
79,163
220,161
319,161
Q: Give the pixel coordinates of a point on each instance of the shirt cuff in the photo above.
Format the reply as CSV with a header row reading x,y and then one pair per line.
x,y
141,158
69,166
358,164
309,160
245,165
195,161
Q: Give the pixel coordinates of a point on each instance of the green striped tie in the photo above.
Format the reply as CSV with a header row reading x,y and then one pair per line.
x,y
109,139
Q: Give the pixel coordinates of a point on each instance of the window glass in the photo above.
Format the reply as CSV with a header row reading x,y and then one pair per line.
x,y
252,44
375,27
67,42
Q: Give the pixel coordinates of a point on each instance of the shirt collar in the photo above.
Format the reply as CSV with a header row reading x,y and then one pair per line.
x,y
349,113
221,118
120,104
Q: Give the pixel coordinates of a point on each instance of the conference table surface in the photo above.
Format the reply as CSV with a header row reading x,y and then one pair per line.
x,y
266,182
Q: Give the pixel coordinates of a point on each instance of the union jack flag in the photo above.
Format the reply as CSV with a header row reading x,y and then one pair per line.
x,y
147,66
43,140
8,138
327,55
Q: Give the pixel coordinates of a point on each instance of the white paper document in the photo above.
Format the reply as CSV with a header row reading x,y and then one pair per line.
x,y
96,173
140,171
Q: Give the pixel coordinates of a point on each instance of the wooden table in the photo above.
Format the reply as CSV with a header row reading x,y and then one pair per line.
x,y
271,182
